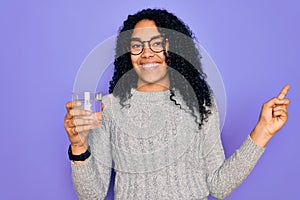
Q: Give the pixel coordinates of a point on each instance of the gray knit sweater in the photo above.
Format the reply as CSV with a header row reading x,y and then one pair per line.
x,y
158,152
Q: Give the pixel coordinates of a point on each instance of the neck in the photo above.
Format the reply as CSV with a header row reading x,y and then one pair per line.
x,y
152,87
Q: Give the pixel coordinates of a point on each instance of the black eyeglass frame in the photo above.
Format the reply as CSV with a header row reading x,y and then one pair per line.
x,y
149,41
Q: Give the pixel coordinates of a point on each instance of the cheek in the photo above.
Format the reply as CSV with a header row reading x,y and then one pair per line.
x,y
134,60
162,57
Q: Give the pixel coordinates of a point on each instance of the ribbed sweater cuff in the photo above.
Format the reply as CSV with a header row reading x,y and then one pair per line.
x,y
86,182
79,169
250,151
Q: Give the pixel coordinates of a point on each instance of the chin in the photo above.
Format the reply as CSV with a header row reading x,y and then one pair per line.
x,y
150,80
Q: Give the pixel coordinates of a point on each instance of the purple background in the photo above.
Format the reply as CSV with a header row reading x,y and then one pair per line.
x,y
255,45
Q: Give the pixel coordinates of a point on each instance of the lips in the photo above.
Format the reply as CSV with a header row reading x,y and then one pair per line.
x,y
150,66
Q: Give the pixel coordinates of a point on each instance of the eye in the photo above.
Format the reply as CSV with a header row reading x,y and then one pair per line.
x,y
156,44
135,45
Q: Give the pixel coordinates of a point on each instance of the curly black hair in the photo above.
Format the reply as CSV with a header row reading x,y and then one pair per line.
x,y
182,56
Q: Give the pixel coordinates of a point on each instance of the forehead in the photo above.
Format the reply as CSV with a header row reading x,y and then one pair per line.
x,y
145,30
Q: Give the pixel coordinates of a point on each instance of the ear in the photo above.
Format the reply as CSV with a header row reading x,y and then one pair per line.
x,y
166,52
167,46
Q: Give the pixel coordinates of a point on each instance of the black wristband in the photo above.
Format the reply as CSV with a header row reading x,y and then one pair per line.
x,y
81,157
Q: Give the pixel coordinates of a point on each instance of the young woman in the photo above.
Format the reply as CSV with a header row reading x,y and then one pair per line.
x,y
160,127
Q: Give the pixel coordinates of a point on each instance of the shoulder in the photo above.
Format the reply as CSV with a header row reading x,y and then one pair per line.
x,y
110,101
213,116
214,106
109,98
106,99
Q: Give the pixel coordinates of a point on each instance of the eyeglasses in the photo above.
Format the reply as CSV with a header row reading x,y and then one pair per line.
x,y
156,44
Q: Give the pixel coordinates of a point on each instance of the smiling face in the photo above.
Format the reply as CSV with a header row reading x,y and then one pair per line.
x,y
151,67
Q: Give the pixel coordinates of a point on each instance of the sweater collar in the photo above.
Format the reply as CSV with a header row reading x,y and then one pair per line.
x,y
150,96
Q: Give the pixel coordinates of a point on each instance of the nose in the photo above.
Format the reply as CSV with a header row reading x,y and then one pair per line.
x,y
147,52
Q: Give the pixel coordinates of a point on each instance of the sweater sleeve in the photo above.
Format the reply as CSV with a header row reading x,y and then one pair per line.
x,y
91,179
224,175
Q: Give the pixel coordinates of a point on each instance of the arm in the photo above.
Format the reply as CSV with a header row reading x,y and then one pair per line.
x,y
223,176
90,177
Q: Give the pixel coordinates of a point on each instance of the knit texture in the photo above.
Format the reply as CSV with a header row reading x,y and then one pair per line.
x,y
158,152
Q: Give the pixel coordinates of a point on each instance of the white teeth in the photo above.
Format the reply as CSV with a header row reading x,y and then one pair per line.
x,y
150,65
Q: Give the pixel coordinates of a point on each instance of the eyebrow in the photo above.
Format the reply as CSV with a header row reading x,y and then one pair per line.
x,y
139,39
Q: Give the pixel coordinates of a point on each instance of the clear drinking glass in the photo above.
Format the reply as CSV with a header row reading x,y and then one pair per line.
x,y
89,101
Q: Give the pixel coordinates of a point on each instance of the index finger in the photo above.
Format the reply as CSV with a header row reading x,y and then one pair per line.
x,y
72,104
283,92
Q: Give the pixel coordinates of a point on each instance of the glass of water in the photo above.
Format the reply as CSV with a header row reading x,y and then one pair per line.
x,y
89,101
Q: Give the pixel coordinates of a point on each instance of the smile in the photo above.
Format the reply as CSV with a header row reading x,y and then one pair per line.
x,y
150,66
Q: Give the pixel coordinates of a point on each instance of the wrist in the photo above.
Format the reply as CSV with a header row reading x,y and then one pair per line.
x,y
78,149
260,136
80,157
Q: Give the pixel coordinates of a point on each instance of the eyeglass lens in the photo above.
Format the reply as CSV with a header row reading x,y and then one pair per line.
x,y
156,44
